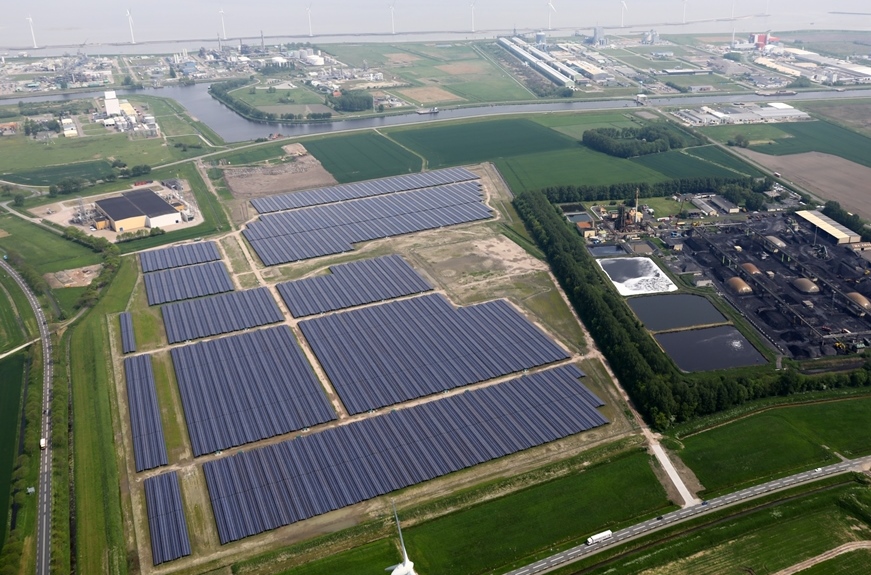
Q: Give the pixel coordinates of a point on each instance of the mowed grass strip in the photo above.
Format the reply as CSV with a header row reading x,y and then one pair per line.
x,y
473,142
493,535
676,164
852,563
100,543
778,442
362,156
12,378
46,251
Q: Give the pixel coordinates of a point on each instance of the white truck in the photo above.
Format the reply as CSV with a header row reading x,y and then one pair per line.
x,y
42,443
599,537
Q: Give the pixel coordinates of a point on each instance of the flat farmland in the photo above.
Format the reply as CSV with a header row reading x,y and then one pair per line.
x,y
44,250
48,175
262,97
677,164
362,156
758,134
11,334
468,143
850,563
717,155
574,125
853,114
819,136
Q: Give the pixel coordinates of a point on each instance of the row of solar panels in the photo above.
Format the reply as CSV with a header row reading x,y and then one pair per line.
x,y
391,353
357,190
317,243
179,256
166,520
187,282
265,488
149,450
128,337
247,387
352,284
225,313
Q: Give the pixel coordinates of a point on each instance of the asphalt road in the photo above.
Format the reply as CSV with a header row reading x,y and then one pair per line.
x,y
43,529
646,527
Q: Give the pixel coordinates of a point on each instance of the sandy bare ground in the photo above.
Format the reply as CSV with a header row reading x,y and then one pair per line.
x,y
463,68
429,95
831,554
78,277
401,58
302,172
829,177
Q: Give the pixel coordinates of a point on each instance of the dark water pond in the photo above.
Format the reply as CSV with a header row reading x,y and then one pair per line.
x,y
581,217
607,251
711,348
662,312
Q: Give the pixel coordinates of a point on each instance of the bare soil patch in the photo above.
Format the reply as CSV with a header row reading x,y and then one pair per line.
x,y
429,95
827,176
303,172
462,68
401,58
78,277
3,233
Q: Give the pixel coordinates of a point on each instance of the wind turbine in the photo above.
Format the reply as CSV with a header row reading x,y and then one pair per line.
x,y
392,6
472,6
623,9
308,9
733,9
407,566
32,35
223,28
684,11
130,21
550,9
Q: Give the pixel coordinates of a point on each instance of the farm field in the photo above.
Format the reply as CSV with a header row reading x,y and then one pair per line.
x,y
11,334
362,156
722,158
756,133
262,97
777,442
720,83
852,114
44,250
574,125
677,164
469,143
762,541
12,378
852,563
511,529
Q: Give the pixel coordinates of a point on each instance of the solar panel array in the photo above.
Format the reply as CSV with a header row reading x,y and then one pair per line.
x,y
247,387
352,284
149,450
187,282
358,190
390,353
179,256
265,488
219,314
128,337
166,521
331,229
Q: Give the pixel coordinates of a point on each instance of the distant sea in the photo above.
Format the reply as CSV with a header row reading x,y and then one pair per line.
x,y
91,23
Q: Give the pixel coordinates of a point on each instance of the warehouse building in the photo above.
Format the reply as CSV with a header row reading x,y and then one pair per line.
x,y
829,227
138,209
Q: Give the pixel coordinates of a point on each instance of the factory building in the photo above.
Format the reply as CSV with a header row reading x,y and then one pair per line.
x,y
724,205
113,107
527,53
138,209
828,227
706,208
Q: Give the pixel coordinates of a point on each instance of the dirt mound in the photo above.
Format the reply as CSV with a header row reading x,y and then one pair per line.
x,y
299,171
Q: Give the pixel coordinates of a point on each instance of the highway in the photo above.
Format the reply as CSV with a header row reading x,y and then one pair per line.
x,y
43,529
667,520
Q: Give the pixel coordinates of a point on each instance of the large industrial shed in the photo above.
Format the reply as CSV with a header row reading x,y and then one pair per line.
x,y
829,227
138,209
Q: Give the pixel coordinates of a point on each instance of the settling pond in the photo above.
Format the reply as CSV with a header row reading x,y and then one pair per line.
x,y
636,276
711,348
675,311
607,251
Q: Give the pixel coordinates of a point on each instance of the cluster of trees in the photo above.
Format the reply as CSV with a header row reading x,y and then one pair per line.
x,y
351,101
27,272
800,82
58,109
111,255
74,185
845,218
184,147
630,142
739,140
626,190
32,127
661,393
221,92
750,196
678,87
139,234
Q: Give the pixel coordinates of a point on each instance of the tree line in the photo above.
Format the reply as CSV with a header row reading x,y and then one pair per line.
x,y
630,142
836,212
221,92
625,190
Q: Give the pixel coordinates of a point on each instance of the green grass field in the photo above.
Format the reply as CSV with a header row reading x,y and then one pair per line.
x,y
11,380
756,133
676,164
47,175
471,142
362,156
11,333
575,124
262,97
501,532
44,250
100,540
723,158
852,563
251,155
778,442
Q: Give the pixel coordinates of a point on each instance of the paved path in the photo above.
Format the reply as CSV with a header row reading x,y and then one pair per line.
x,y
43,515
17,349
830,554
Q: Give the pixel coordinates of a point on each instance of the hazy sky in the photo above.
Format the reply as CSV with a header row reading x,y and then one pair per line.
x,y
58,22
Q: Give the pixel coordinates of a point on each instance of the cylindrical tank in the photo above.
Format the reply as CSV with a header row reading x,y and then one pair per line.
x,y
860,300
750,268
739,286
805,285
540,38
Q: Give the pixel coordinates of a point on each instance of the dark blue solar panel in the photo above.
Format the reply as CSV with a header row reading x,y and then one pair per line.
x,y
365,189
353,284
166,521
187,282
386,354
219,314
322,230
128,337
265,488
247,387
149,449
178,256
